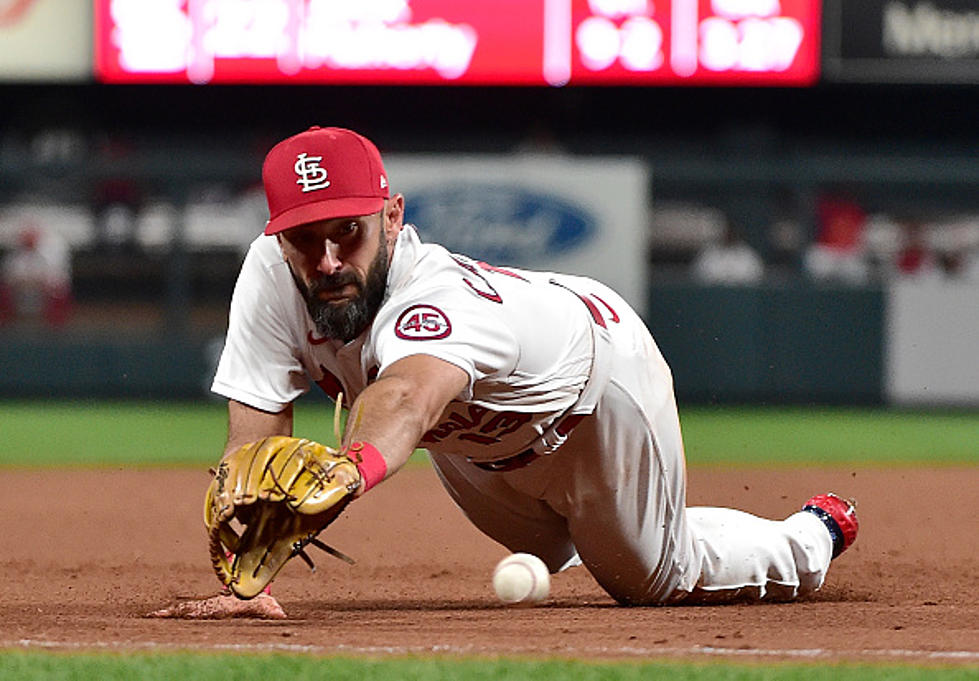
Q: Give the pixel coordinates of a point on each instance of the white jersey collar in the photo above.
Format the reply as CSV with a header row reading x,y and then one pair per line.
x,y
407,249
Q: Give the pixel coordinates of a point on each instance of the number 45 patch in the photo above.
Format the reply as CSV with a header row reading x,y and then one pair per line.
x,y
423,322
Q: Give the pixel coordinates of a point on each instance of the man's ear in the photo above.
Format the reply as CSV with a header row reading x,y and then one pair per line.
x,y
396,208
394,214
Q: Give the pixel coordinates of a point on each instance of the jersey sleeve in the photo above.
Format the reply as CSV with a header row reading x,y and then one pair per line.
x,y
259,365
459,329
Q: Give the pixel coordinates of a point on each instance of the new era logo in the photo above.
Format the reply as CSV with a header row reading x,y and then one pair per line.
x,y
311,175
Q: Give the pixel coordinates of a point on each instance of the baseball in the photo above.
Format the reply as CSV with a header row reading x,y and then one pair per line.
x,y
521,578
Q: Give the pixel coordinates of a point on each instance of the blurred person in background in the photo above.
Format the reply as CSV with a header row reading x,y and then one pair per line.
x,y
938,254
118,199
916,258
729,261
35,277
838,254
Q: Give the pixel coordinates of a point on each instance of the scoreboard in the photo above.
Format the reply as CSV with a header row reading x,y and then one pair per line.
x,y
466,42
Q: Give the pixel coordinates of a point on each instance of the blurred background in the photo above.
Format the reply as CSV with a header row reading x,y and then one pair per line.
x,y
787,190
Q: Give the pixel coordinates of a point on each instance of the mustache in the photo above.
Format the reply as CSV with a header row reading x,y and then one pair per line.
x,y
329,282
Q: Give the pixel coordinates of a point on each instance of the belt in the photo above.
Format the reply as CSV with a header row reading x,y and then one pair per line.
x,y
529,455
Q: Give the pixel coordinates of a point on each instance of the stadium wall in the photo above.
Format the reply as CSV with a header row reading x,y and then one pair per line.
x,y
797,343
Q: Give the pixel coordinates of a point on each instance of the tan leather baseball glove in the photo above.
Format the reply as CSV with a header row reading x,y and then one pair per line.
x,y
267,501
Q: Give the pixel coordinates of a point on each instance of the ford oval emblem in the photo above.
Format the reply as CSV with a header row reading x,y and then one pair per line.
x,y
498,223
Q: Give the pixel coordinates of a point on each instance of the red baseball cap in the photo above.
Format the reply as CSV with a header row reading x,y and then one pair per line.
x,y
322,173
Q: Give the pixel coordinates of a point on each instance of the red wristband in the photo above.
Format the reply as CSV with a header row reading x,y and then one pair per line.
x,y
370,463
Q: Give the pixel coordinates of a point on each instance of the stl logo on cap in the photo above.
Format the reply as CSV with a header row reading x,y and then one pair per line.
x,y
311,175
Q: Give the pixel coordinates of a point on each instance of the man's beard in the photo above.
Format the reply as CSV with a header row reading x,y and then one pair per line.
x,y
345,321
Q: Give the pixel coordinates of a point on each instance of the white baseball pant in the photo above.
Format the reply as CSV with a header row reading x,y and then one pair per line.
x,y
613,497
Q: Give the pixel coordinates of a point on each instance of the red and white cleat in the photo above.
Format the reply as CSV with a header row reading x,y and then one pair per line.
x,y
839,515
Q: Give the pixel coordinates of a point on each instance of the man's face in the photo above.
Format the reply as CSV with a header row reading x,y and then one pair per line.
x,y
340,267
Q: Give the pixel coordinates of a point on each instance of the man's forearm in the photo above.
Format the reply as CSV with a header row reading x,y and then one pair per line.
x,y
386,417
247,424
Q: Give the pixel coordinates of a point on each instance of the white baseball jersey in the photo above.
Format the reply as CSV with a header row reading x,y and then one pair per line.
x,y
566,441
527,364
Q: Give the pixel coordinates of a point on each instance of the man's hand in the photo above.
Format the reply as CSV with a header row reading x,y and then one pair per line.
x,y
224,606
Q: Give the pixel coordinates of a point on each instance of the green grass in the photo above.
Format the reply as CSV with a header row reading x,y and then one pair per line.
x,y
33,666
111,433
159,433
818,436
129,433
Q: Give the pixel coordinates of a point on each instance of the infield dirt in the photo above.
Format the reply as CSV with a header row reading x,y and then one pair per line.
x,y
88,553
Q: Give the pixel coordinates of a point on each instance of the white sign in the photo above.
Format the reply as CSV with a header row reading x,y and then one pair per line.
x,y
45,40
932,343
575,215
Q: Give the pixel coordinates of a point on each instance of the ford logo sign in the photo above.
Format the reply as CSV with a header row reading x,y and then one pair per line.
x,y
499,224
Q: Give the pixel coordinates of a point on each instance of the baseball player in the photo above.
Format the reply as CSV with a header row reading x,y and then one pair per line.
x,y
543,400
